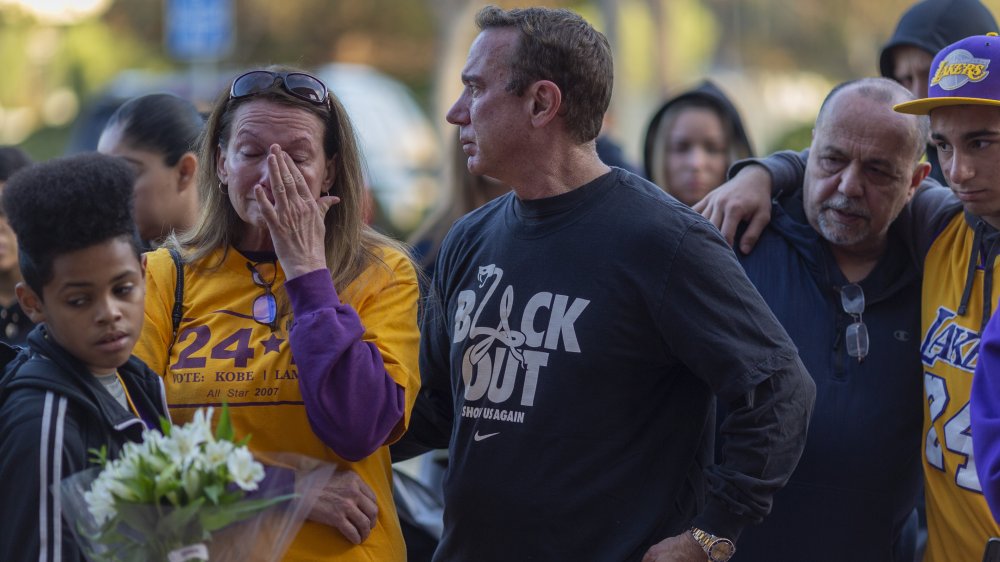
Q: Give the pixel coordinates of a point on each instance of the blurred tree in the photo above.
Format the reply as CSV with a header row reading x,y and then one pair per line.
x,y
659,45
51,68
839,39
396,36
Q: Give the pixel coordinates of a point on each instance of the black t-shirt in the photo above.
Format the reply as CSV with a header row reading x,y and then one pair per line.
x,y
572,346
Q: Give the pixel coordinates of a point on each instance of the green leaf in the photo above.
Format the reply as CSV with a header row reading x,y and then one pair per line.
x,y
229,498
224,430
213,492
139,516
146,480
175,523
165,426
99,456
214,518
164,487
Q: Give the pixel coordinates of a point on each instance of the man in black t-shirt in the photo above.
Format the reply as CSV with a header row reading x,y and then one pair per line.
x,y
579,329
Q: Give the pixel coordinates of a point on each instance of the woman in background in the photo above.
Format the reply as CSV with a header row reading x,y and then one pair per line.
x,y
158,135
692,140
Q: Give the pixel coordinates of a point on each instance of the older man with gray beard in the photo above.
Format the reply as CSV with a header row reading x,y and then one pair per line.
x,y
835,270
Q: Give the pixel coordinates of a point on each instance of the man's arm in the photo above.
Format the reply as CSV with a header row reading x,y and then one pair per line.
x,y
928,212
773,407
763,436
746,197
433,413
737,347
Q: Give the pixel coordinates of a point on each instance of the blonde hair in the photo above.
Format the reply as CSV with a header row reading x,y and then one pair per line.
x,y
351,246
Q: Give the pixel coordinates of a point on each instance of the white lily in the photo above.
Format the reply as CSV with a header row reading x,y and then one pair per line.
x,y
244,471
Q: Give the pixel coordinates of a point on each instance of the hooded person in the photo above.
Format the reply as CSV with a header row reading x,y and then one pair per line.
x,y
926,28
691,141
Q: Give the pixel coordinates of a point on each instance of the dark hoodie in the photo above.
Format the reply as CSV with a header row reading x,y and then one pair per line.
x,y
932,25
52,412
740,146
853,494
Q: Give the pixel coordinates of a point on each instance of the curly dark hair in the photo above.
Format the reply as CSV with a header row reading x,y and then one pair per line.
x,y
67,204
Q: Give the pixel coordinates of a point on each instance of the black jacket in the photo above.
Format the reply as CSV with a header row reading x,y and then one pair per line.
x,y
932,25
52,412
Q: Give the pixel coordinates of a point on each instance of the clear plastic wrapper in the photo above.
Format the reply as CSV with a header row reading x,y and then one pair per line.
x,y
190,494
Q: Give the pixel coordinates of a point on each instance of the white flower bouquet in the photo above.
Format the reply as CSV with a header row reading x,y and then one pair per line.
x,y
189,494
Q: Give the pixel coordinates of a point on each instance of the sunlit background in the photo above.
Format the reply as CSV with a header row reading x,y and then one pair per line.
x,y
67,63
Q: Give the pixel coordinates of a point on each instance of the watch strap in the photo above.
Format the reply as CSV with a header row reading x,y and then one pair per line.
x,y
718,549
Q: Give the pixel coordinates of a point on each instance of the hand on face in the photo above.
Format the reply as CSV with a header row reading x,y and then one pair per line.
x,y
295,217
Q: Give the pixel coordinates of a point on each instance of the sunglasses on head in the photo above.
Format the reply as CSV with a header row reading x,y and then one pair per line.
x,y
299,84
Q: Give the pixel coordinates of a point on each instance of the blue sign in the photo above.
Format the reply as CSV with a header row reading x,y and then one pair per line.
x,y
199,30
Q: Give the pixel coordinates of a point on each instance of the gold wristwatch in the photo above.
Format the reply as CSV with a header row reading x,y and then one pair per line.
x,y
718,549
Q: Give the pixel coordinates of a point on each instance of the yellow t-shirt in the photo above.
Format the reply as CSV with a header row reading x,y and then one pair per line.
x,y
958,519
223,354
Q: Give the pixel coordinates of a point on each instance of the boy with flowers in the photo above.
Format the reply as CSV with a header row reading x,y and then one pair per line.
x,y
76,386
165,498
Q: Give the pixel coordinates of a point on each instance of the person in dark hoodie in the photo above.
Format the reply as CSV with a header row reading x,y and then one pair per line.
x,y
846,291
926,28
76,386
691,141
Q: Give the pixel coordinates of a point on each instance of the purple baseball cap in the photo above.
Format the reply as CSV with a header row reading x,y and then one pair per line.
x,y
961,75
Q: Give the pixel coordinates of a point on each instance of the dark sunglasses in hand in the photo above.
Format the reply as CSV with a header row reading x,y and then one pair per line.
x,y
299,84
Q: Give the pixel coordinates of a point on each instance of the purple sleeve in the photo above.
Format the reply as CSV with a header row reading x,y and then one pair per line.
x,y
352,403
985,414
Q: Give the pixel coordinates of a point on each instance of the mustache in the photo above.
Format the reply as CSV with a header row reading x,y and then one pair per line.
x,y
846,205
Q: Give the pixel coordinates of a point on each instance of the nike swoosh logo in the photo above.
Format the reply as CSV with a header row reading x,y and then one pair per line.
x,y
478,437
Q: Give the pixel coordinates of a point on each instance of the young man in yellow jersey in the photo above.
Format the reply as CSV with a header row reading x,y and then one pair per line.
x,y
960,289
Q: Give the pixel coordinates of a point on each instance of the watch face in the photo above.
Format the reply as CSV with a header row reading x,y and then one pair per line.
x,y
721,550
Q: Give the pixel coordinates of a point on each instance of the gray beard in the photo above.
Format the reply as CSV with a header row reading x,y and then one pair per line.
x,y
839,235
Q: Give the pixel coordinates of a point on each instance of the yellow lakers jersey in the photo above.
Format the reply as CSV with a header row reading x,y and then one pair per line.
x,y
958,519
221,354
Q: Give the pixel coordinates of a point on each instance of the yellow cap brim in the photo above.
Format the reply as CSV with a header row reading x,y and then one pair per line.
x,y
925,105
